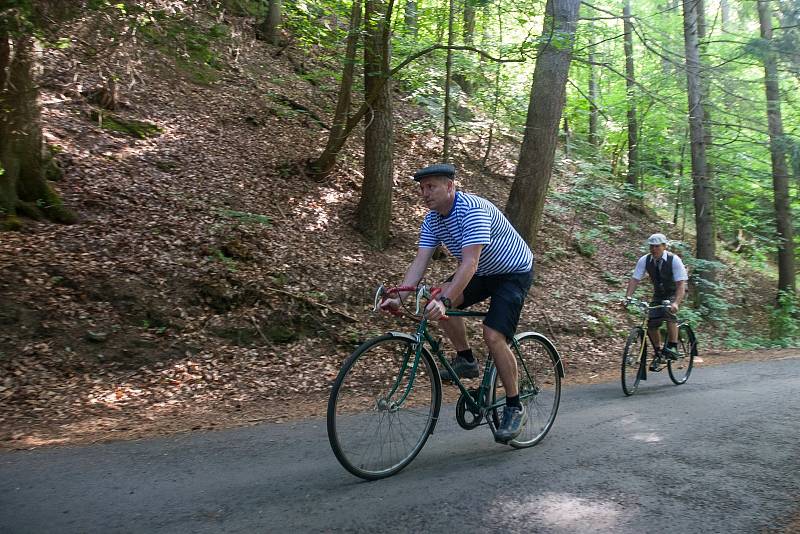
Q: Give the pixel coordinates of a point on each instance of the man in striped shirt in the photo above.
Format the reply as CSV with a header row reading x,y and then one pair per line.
x,y
494,262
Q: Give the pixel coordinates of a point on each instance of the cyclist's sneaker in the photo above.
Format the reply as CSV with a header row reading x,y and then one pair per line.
x,y
513,421
669,353
462,367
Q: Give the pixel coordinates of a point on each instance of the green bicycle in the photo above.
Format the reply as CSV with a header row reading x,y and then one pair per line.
x,y
386,399
634,356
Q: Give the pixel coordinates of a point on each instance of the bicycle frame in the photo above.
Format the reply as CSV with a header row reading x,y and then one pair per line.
x,y
645,307
422,336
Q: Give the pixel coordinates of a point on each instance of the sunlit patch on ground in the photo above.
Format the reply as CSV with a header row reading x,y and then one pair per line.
x,y
557,511
647,437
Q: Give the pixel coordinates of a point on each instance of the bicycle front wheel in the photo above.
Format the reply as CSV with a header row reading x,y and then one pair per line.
x,y
633,360
383,407
680,369
539,388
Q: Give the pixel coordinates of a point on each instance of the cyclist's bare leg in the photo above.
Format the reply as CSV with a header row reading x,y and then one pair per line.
x,y
655,337
672,331
503,359
456,332
455,327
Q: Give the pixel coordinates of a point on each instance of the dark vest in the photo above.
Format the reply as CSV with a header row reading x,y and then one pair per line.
x,y
664,286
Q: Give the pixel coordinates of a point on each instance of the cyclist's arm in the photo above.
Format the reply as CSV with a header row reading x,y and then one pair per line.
x,y
680,292
633,283
417,268
465,271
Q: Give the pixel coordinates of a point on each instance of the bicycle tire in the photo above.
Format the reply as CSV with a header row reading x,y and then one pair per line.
x,y
366,428
680,369
633,360
539,370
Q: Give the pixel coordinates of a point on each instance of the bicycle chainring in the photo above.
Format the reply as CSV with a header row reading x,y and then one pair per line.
x,y
465,416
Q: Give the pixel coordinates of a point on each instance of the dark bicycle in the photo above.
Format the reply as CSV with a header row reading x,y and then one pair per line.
x,y
635,355
385,402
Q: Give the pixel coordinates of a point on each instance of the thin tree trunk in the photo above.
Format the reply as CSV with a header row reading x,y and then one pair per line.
x,y
447,79
630,83
526,200
594,139
777,144
705,87
323,165
679,192
410,17
269,28
703,207
469,22
375,206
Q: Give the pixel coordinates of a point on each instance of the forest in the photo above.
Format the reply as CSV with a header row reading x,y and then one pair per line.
x,y
198,199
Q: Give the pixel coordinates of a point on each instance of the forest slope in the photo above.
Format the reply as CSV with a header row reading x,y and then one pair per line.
x,y
209,281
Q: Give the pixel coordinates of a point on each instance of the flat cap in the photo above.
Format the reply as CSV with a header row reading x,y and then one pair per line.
x,y
440,169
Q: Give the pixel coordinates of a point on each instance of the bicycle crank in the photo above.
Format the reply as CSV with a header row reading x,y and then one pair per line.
x,y
466,416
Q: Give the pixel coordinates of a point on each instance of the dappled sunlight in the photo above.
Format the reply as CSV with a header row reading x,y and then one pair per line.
x,y
647,437
559,511
315,210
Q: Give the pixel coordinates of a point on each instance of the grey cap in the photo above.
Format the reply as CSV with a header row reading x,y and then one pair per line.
x,y
440,169
657,239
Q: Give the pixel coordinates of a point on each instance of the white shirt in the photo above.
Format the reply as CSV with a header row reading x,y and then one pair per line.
x,y
678,268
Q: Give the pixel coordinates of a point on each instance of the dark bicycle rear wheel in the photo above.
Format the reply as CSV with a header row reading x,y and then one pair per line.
x,y
378,419
633,358
680,369
539,369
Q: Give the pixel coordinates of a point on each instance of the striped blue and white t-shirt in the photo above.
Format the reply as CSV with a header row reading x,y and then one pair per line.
x,y
476,221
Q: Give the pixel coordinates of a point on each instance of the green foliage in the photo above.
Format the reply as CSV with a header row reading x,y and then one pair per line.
x,y
586,242
228,262
785,319
193,47
132,127
247,217
245,8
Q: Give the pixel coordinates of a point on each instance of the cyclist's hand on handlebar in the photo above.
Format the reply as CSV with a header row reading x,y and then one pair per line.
x,y
390,305
435,310
673,307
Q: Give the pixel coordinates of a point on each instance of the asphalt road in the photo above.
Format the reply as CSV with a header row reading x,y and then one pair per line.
x,y
719,454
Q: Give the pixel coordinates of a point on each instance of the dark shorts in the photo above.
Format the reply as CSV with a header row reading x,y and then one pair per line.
x,y
659,315
507,293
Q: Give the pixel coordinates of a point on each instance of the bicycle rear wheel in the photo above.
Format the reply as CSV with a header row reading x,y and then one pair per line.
x,y
538,366
633,361
381,412
680,369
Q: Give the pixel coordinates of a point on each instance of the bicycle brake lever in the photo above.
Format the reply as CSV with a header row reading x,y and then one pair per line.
x,y
378,295
422,292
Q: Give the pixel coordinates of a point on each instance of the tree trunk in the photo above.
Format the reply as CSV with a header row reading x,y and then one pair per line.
x,y
705,87
469,22
23,184
268,31
777,144
323,165
447,79
526,200
703,206
411,17
630,83
375,206
594,139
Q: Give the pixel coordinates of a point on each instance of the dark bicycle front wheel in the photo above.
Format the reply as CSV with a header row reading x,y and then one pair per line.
x,y
382,409
680,369
633,359
539,369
